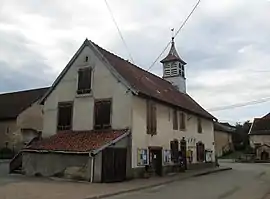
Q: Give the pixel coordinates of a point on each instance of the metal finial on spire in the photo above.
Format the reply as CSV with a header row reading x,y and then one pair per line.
x,y
172,30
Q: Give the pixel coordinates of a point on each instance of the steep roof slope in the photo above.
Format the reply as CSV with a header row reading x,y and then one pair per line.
x,y
151,85
12,104
260,126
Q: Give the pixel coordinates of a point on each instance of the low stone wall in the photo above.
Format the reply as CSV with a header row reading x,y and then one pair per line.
x,y
53,164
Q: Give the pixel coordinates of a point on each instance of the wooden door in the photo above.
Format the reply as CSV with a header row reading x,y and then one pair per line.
x,y
114,164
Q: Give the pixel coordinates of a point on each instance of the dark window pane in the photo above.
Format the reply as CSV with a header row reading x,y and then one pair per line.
x,y
103,114
84,81
64,116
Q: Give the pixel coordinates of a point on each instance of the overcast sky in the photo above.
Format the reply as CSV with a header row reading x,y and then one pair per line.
x,y
226,44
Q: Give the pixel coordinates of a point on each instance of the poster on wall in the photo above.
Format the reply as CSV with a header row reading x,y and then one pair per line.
x,y
167,156
208,155
142,157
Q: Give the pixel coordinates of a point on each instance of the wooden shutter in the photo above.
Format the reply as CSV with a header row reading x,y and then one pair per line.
x,y
199,125
175,120
154,118
182,121
148,117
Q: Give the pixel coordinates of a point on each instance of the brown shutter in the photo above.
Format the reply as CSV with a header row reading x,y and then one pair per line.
x,y
175,120
182,121
148,117
154,118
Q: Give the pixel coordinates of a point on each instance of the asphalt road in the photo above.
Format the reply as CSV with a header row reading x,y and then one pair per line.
x,y
245,181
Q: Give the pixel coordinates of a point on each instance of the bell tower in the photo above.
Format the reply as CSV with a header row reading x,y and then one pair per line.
x,y
174,69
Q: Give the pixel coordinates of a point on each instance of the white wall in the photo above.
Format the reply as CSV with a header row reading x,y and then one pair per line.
x,y
104,85
165,132
259,139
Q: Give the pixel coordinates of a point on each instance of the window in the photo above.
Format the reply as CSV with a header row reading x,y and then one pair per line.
x,y
175,120
181,70
199,125
84,81
151,122
86,59
64,115
7,130
182,121
102,114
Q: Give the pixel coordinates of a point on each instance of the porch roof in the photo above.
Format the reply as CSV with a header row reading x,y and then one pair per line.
x,y
78,141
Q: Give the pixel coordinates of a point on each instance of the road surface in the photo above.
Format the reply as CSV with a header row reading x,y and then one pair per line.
x,y
245,181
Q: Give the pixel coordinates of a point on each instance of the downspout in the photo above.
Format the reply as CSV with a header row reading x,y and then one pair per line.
x,y
92,167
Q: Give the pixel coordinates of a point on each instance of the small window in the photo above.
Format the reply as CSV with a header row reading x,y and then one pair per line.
x,y
151,122
175,120
86,59
84,81
199,123
102,114
64,115
182,121
7,130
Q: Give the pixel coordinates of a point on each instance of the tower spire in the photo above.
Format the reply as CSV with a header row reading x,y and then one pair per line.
x,y
174,68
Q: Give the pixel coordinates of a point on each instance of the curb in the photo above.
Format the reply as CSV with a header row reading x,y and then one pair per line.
x,y
158,184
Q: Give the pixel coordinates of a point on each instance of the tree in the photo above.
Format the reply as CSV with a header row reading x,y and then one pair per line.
x,y
240,136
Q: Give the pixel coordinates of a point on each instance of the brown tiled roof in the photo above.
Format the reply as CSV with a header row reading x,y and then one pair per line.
x,y
12,104
151,85
260,126
76,141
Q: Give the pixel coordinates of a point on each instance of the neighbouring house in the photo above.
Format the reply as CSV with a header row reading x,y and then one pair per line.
x,y
259,137
223,138
20,114
107,119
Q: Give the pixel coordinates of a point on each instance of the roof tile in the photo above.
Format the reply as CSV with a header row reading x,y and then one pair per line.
x,y
76,141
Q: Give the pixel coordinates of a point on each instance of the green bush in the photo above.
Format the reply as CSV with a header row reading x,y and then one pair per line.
x,y
6,153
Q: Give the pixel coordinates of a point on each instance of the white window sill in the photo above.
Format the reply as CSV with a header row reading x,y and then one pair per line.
x,y
84,95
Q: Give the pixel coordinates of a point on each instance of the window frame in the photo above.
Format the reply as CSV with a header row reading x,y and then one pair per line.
x,y
151,117
83,91
67,127
102,126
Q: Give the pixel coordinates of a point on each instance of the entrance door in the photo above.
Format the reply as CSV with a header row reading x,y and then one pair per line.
x,y
114,164
264,155
156,160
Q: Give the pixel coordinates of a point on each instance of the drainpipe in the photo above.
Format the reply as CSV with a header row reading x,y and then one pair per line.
x,y
91,155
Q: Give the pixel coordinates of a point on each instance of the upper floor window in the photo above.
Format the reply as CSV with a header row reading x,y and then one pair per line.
x,y
182,121
102,114
84,80
151,122
199,125
64,115
175,120
86,59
